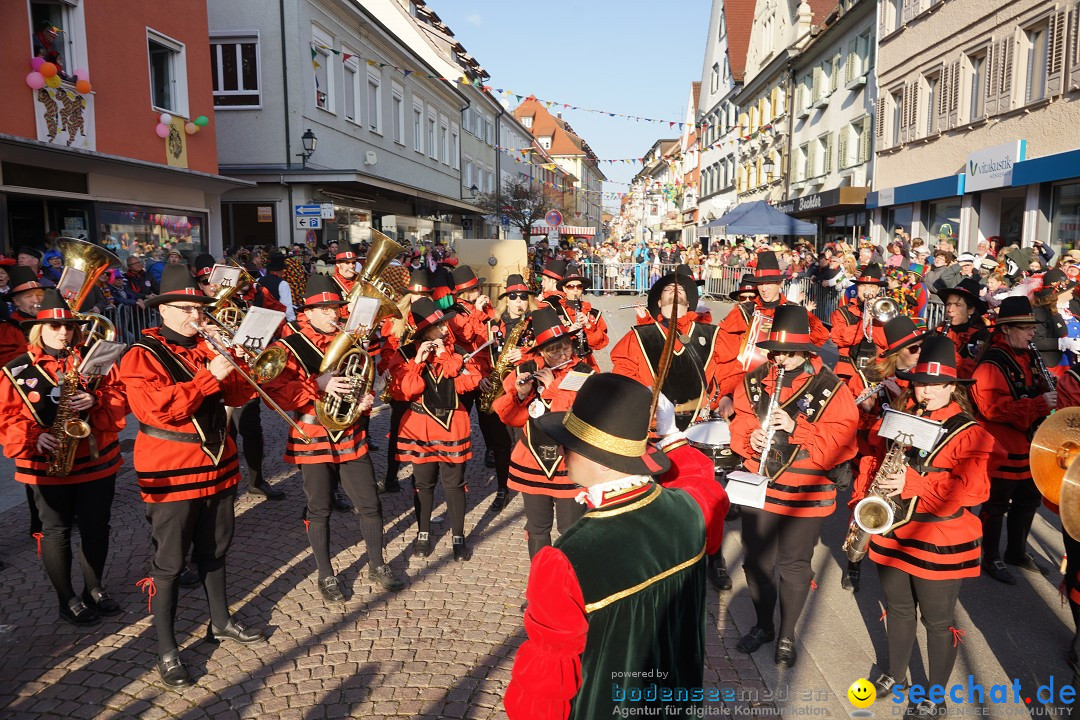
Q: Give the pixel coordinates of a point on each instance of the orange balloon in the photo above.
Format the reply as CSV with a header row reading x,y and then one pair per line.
x,y
83,87
48,69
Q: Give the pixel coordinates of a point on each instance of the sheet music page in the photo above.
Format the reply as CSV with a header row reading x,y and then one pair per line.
x,y
225,275
747,488
922,433
362,313
100,358
71,281
257,330
573,380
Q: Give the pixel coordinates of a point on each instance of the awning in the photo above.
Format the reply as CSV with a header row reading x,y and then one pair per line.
x,y
564,230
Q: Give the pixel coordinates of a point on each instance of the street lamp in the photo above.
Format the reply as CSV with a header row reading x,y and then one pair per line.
x,y
474,190
768,166
310,141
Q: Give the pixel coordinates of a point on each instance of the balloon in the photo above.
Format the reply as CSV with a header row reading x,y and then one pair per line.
x,y
36,63
191,128
202,121
82,86
82,74
162,130
48,69
35,80
54,81
165,119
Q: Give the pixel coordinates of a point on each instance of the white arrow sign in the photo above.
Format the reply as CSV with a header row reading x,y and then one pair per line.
x,y
308,223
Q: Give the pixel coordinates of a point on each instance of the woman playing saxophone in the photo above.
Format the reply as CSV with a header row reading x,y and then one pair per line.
x,y
922,562
46,413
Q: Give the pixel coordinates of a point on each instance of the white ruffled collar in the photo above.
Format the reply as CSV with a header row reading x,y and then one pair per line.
x,y
593,496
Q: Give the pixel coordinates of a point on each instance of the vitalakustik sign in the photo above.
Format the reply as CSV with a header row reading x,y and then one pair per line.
x,y
992,167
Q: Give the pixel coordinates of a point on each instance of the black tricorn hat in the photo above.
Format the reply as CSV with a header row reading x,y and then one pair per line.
x,y
870,274
768,269
555,269
177,285
790,331
322,291
900,332
419,281
1015,310
21,279
464,279
573,272
609,424
686,279
746,285
425,314
516,284
936,364
969,289
53,309
547,327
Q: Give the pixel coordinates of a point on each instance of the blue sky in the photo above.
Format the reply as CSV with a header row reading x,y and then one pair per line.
x,y
634,57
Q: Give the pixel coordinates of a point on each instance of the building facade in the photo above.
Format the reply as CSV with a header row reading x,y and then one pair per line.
x,y
973,100
87,151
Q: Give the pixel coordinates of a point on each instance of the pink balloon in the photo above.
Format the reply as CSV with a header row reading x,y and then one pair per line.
x,y
191,128
35,80
162,130
36,63
82,74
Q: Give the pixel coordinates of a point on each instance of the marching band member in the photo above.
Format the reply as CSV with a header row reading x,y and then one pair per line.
x,y
430,374
32,390
345,270
623,591
550,277
922,562
537,466
518,301
746,292
333,457
812,431
586,325
733,336
849,325
1011,399
964,324
185,461
471,329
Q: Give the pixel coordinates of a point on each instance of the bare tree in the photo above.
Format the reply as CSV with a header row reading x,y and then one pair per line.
x,y
524,202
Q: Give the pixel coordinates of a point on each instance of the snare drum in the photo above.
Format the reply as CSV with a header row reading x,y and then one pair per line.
x,y
713,438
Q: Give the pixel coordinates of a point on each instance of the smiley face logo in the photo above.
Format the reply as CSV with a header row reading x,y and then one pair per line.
x,y
862,693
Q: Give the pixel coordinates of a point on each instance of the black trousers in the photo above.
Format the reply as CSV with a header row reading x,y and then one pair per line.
x,y
496,436
936,599
35,519
88,506
452,475
397,412
205,524
540,514
771,540
247,422
357,478
1019,499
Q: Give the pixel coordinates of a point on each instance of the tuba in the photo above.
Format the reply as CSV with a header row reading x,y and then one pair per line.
x,y
345,355
84,262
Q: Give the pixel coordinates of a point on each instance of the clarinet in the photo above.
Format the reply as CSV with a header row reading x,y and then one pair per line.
x,y
1040,365
770,432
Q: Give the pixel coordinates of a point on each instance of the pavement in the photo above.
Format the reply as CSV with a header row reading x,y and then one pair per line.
x,y
443,647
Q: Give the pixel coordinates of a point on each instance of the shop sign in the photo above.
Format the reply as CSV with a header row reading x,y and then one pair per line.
x,y
993,167
264,213
886,197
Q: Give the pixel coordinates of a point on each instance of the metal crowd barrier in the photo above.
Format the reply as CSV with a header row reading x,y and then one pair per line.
x,y
131,320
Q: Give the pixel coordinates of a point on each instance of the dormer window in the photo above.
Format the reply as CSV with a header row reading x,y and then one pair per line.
x,y
527,121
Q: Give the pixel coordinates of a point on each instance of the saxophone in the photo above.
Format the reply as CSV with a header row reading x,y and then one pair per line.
x,y
68,428
502,366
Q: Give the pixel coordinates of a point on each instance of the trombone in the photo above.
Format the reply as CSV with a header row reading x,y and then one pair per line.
x,y
227,316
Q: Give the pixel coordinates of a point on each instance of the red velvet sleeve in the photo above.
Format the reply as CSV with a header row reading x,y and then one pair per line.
x,y
819,334
692,471
995,402
597,334
966,484
547,668
743,423
469,373
406,378
510,410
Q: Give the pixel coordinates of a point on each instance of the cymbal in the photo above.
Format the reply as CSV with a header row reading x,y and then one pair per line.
x,y
1055,445
1069,507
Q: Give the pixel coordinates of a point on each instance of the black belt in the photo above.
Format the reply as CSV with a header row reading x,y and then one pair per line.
x,y
304,418
175,436
931,518
440,413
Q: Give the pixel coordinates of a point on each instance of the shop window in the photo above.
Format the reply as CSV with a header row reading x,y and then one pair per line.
x,y
898,217
234,70
943,220
141,230
168,74
1065,218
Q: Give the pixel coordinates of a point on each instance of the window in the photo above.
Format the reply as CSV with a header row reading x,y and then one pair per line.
x,y
468,172
234,71
479,129
823,155
432,120
802,159
806,92
168,75
545,142
374,101
418,125
930,113
897,100
324,70
466,119
714,83
350,70
723,27
526,121
489,131
976,80
898,14
1035,71
444,139
455,146
397,109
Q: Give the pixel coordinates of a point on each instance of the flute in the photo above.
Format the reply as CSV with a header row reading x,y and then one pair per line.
x,y
532,376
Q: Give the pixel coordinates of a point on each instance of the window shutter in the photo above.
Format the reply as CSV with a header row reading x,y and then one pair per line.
x,y
1008,46
990,99
955,81
883,26
826,167
835,79
879,122
910,8
1074,45
816,94
944,94
851,63
864,144
1055,70
841,152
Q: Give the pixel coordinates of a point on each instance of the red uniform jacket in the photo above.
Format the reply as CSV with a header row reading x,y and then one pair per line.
x,y
824,434
733,331
1069,388
847,329
943,540
27,382
968,339
594,326
12,341
538,467
296,389
1010,406
172,470
391,343
471,331
547,668
436,427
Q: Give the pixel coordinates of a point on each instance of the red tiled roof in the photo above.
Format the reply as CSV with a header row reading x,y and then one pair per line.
x,y
740,19
564,141
695,92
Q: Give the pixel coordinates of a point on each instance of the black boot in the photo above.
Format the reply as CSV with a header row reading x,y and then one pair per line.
x,y
265,490
537,543
172,671
422,545
851,578
233,630
461,550
502,497
716,571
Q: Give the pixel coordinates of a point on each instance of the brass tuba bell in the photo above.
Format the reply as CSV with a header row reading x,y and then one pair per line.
x,y
84,262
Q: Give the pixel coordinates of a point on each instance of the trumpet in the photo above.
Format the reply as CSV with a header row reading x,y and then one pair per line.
x,y
224,352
